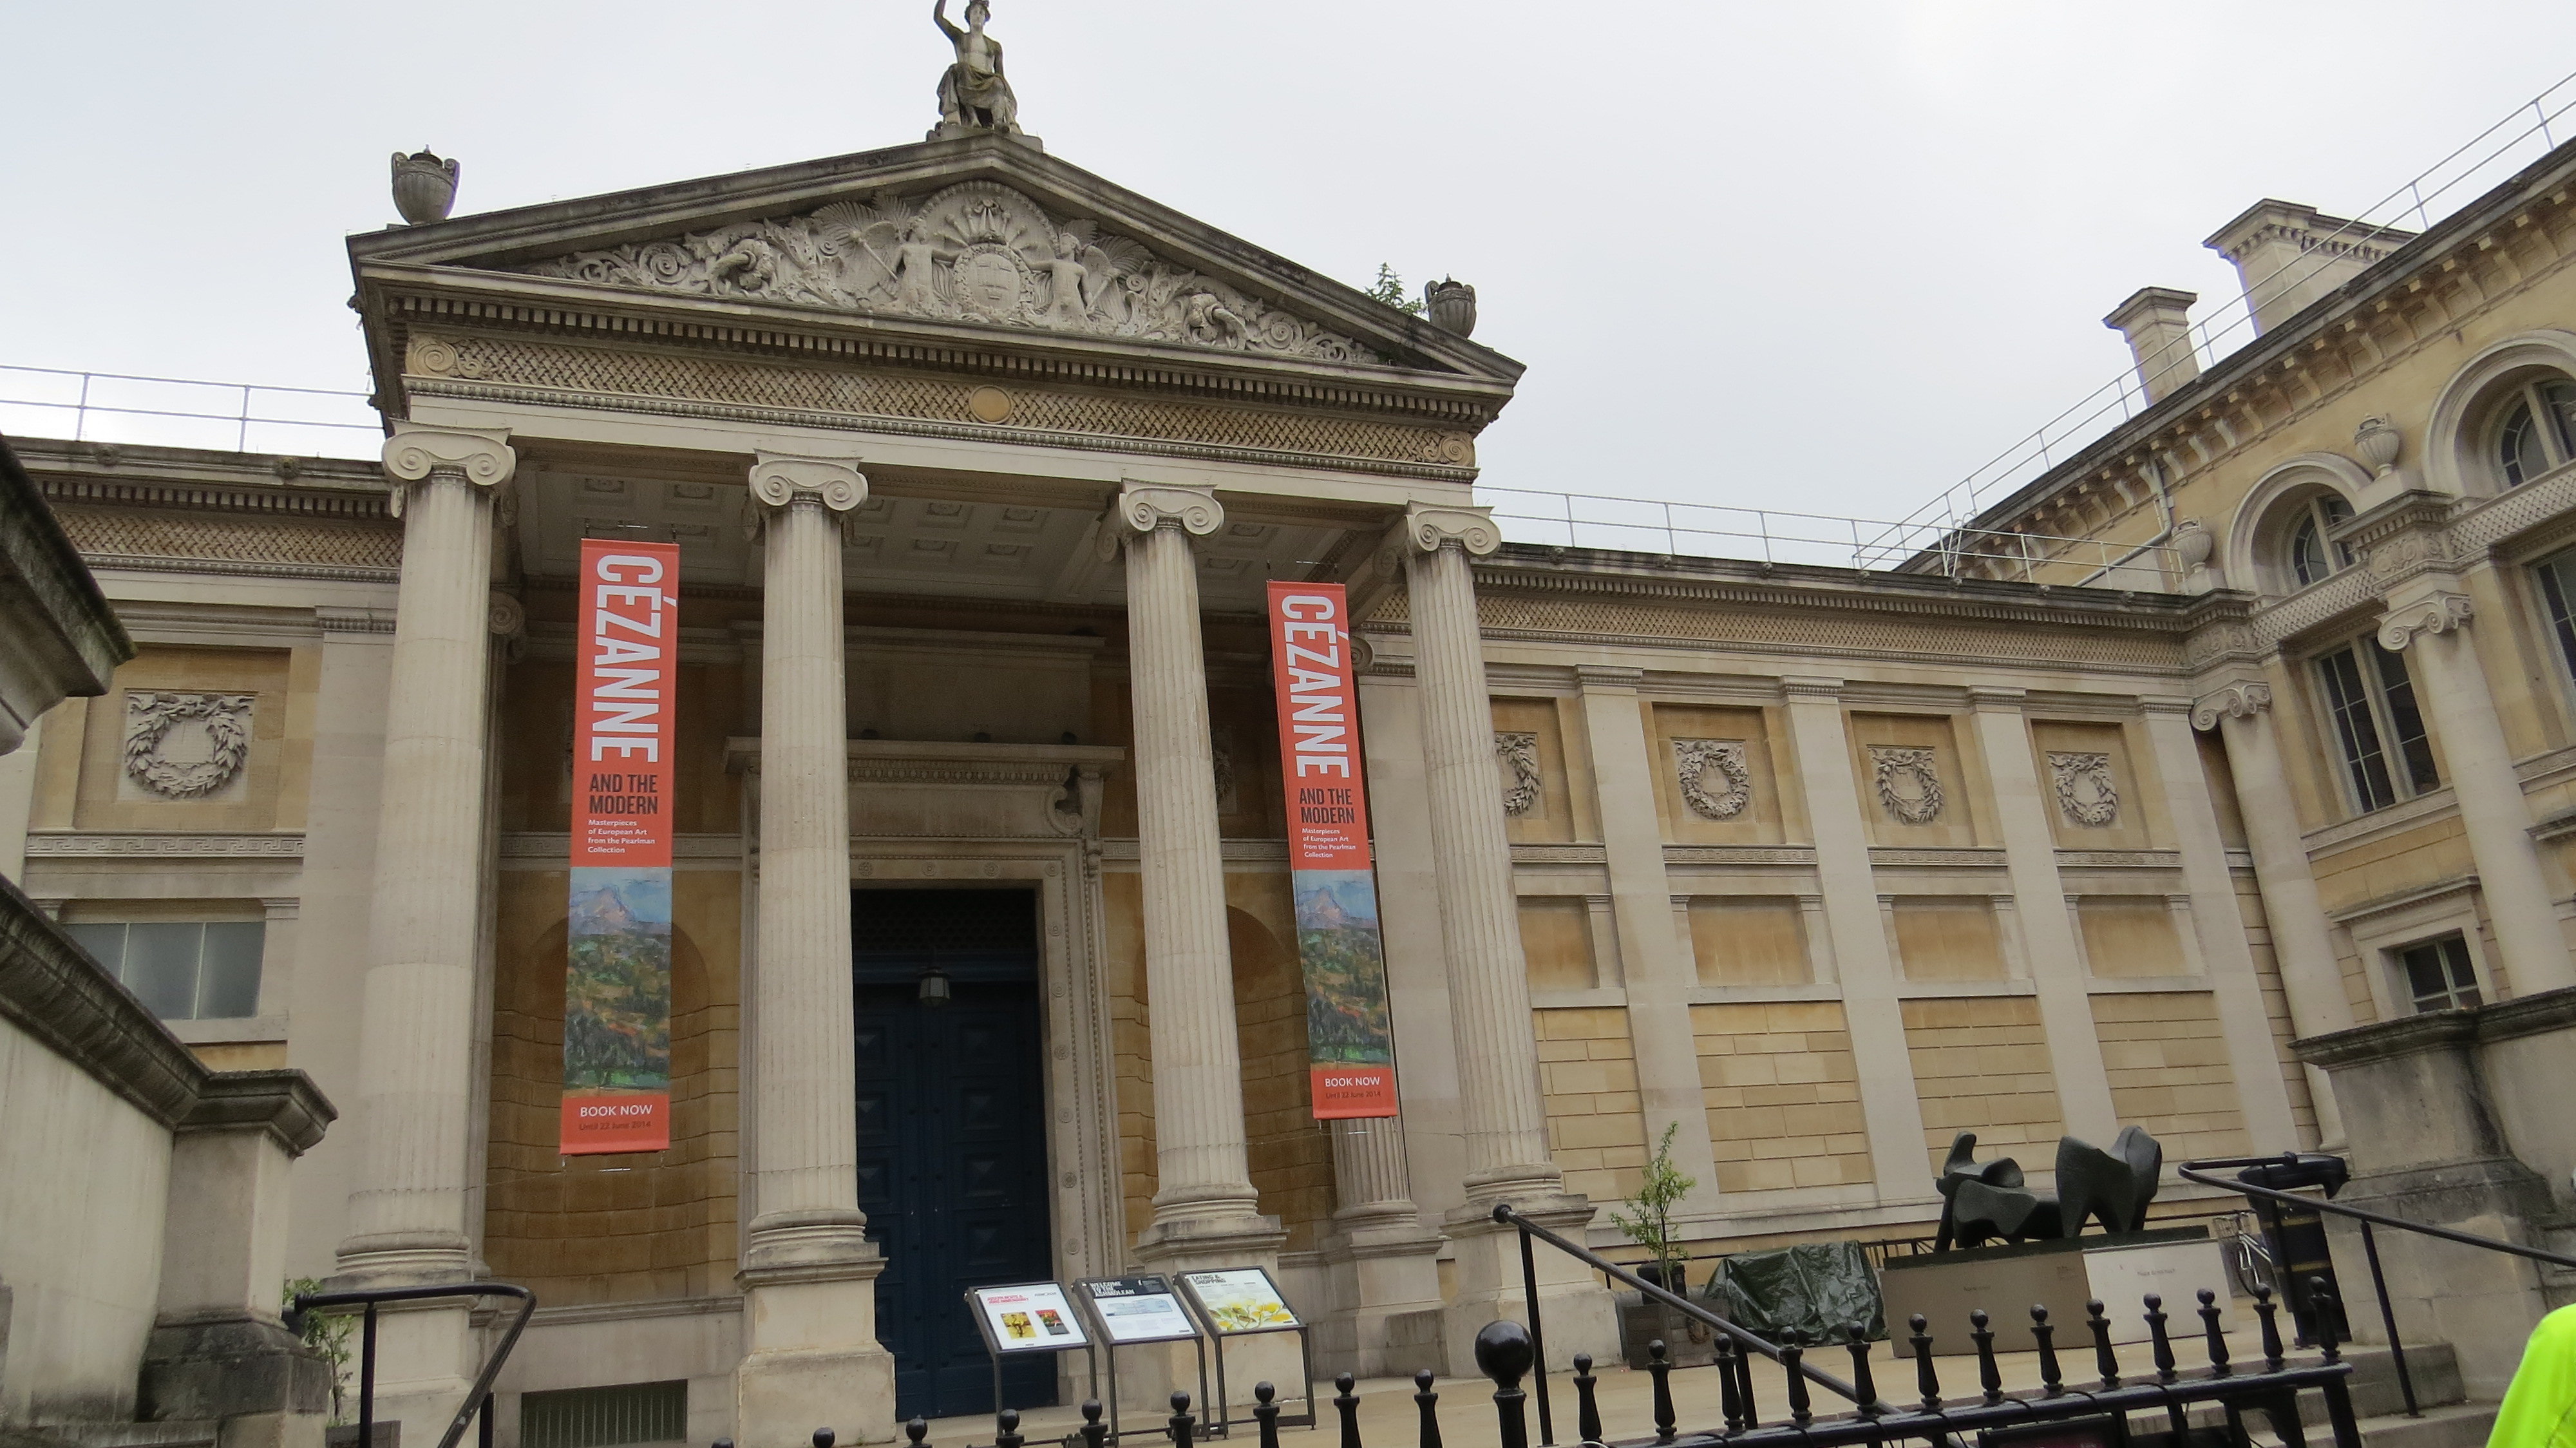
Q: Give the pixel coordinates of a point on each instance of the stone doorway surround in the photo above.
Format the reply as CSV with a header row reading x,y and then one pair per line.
x,y
931,813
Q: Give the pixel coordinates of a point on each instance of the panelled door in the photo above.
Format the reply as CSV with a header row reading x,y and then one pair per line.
x,y
951,1122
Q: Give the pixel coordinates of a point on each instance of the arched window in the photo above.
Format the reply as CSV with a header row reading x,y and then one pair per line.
x,y
2538,431
2311,553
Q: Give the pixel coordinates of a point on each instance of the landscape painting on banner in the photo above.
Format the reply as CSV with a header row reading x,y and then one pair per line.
x,y
1350,1039
617,980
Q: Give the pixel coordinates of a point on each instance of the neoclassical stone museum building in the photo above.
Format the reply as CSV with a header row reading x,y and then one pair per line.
x,y
977,466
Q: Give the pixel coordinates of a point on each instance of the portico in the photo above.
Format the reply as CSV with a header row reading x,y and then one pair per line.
x,y
1096,490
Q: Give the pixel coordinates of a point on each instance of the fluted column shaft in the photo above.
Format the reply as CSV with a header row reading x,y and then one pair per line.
x,y
1202,1165
1370,1176
416,1011
2493,812
805,1164
1500,1108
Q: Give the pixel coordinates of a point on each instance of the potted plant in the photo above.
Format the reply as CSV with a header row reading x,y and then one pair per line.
x,y
1648,1222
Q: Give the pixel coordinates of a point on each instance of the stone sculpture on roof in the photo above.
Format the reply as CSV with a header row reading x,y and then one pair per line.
x,y
977,251
973,96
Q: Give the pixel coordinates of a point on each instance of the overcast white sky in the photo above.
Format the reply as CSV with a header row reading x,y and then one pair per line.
x,y
1813,256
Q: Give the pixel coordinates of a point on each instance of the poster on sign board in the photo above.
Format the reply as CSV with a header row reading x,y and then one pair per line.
x,y
1239,1300
617,980
1030,1317
1138,1309
1350,1035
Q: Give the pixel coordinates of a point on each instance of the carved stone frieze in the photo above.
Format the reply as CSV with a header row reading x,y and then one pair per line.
x,y
186,746
1693,759
158,844
1518,751
2085,790
1909,782
978,251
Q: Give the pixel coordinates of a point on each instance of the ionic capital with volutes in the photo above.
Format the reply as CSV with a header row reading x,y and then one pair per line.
x,y
1430,527
2238,699
780,481
2438,612
1146,507
417,452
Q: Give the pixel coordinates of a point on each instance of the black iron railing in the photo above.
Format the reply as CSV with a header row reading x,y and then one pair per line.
x,y
478,1398
2198,1171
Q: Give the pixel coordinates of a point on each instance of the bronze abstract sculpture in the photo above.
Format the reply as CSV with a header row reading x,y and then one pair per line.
x,y
1980,1202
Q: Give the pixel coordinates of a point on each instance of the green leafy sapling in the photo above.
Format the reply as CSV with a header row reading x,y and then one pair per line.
x,y
1648,1222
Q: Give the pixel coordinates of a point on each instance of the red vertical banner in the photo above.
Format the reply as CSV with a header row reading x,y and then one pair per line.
x,y
617,982
1350,1035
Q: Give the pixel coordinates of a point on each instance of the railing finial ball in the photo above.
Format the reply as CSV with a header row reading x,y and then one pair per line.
x,y
1343,1382
1263,1391
1502,1211
1180,1400
917,1430
2207,1297
2155,1302
1918,1322
1423,1378
822,1438
1503,1351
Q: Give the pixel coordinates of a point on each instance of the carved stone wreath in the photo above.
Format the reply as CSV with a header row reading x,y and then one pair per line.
x,y
149,718
1519,749
1694,758
2084,788
1909,784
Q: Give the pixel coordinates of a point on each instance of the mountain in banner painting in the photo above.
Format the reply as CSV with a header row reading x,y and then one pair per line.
x,y
1337,939
1331,899
617,995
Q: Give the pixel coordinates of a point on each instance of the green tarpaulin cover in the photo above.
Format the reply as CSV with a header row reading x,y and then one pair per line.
x,y
1815,1289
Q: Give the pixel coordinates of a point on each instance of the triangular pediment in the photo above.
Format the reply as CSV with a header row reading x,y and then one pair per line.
x,y
978,233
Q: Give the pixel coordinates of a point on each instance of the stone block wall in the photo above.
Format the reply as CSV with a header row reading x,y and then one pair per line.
x,y
2168,1068
1596,1124
1981,1064
1783,1095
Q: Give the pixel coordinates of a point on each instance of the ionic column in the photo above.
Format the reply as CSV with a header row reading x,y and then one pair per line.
x,y
2293,913
1204,1202
2493,812
1388,1261
1501,1110
2216,925
2022,812
808,1271
416,1032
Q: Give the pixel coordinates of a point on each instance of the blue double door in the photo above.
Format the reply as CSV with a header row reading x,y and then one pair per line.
x,y
951,1133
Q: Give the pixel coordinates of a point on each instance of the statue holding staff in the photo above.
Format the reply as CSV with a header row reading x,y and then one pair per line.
x,y
973,96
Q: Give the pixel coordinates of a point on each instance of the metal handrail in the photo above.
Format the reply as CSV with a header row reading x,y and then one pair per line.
x,y
2197,1171
478,1398
1744,1337
242,418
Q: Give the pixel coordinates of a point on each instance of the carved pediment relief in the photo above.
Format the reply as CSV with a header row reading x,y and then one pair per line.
x,y
977,251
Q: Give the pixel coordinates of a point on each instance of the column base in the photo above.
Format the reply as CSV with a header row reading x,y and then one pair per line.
x,y
1385,1269
1200,1244
1578,1313
811,1357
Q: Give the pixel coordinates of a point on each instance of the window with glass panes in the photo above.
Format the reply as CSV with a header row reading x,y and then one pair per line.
x,y
182,970
2438,975
2538,432
2312,554
2557,578
2378,726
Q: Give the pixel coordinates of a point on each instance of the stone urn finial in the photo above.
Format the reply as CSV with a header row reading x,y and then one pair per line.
x,y
2379,442
424,186
1452,306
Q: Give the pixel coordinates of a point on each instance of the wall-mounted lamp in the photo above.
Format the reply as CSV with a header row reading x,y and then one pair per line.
x,y
934,988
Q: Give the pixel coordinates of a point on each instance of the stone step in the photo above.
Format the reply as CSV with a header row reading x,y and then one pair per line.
x,y
2459,1425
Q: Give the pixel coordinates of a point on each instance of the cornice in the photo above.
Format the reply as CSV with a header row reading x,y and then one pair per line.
x,y
1609,573
2165,429
53,991
180,476
154,844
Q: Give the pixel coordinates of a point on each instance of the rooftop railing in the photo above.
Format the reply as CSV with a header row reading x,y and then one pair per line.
x,y
179,412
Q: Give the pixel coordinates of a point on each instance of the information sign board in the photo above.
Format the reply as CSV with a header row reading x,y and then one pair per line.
x,y
1239,1300
1028,1317
1131,1310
